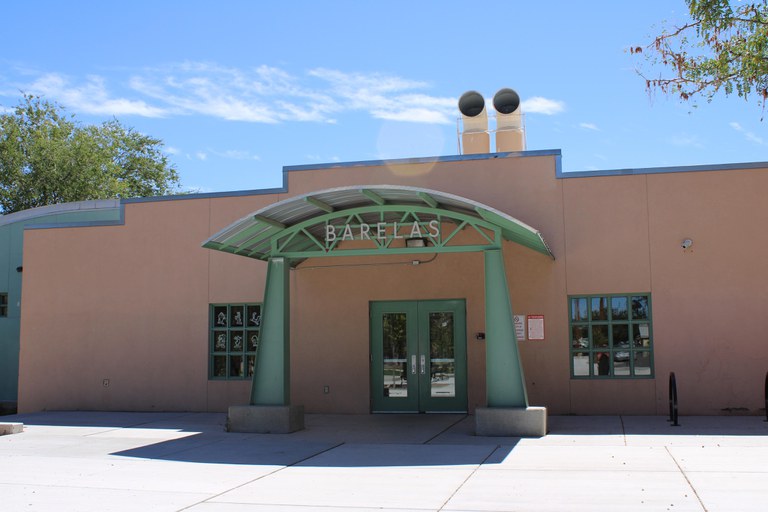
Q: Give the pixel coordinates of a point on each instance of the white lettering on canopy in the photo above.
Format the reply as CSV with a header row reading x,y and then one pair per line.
x,y
380,231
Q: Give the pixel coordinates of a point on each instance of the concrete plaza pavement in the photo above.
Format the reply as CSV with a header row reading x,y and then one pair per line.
x,y
106,461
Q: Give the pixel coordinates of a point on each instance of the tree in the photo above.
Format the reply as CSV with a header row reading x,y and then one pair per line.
x,y
723,47
47,157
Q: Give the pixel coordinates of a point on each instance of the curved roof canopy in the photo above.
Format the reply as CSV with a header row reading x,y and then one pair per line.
x,y
366,220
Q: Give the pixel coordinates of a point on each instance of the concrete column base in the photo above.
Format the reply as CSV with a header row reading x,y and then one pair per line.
x,y
265,419
511,422
11,428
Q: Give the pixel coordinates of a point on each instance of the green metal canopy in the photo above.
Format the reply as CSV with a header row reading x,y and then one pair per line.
x,y
371,220
368,220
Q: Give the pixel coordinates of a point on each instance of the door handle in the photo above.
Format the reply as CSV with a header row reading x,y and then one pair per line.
x,y
423,362
413,364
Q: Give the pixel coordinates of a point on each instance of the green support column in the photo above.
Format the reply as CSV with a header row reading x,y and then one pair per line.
x,y
271,377
504,374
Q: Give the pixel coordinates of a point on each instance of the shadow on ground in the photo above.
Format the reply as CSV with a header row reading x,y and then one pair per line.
x,y
352,440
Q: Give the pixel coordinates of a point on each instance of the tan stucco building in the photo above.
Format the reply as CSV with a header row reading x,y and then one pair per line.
x,y
639,273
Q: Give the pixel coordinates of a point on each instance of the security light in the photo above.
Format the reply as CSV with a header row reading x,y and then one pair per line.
x,y
415,242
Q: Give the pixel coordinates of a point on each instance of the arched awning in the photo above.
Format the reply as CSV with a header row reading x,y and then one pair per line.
x,y
366,220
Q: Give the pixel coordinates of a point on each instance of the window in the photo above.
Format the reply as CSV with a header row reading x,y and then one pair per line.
x,y
234,338
611,336
3,304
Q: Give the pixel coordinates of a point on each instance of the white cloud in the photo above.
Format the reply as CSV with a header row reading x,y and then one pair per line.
x,y
195,189
750,136
200,155
318,158
357,83
90,97
589,126
262,94
412,115
198,95
685,140
172,150
296,112
539,105
387,97
235,154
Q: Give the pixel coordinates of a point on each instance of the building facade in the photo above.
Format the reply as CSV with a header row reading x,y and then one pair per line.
x,y
12,229
615,279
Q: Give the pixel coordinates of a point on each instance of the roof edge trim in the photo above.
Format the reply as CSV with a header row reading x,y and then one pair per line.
x,y
745,166
53,209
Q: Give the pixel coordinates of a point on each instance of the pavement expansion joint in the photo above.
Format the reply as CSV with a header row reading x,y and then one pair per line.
x,y
687,480
446,429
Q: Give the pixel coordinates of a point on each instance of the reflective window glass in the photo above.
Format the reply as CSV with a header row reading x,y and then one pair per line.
x,y
234,340
220,316
599,336
579,310
620,335
219,339
252,340
581,364
602,364
236,366
599,308
442,363
641,335
580,336
253,316
621,362
642,363
619,309
615,339
395,355
639,307
219,366
236,316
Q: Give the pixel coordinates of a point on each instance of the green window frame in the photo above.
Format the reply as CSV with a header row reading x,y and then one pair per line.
x,y
611,336
3,304
235,330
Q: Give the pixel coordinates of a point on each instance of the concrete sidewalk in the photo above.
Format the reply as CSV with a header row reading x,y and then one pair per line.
x,y
82,461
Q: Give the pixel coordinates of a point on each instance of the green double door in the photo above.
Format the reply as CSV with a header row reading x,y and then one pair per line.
x,y
418,356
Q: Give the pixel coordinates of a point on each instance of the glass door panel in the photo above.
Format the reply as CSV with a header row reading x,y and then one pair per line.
x,y
443,341
442,362
395,355
394,386
418,356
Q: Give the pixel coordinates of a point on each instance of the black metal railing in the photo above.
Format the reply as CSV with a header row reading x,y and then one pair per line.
x,y
673,399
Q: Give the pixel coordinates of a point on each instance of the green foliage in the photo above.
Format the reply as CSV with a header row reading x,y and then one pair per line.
x,y
46,157
723,47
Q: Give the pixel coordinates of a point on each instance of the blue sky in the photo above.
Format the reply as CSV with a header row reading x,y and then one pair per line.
x,y
239,89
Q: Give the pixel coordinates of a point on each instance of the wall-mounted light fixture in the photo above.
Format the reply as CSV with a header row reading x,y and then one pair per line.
x,y
686,243
412,243
19,269
480,336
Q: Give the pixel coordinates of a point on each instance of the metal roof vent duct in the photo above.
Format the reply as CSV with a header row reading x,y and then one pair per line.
x,y
510,133
474,138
